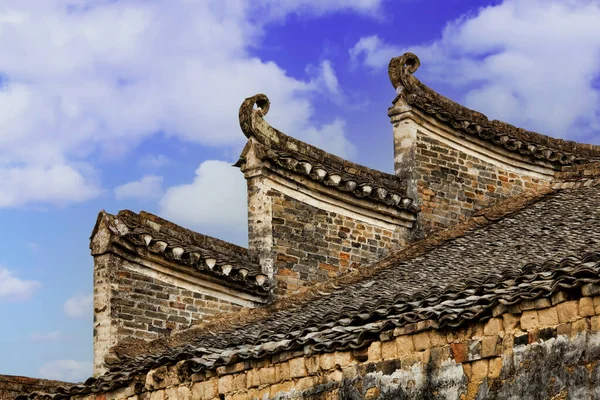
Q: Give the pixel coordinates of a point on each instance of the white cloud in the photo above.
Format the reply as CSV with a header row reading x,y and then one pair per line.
x,y
147,188
214,201
530,63
45,336
15,289
86,78
66,370
79,306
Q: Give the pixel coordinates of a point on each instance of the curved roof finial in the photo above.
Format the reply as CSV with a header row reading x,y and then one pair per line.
x,y
401,67
247,112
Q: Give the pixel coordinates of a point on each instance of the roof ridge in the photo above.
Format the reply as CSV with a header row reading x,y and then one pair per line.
x,y
474,123
317,164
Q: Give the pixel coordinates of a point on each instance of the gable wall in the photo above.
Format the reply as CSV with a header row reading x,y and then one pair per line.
x,y
453,176
133,301
302,239
452,184
547,348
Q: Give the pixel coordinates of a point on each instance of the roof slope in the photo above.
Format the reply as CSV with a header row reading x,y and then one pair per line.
x,y
545,247
473,123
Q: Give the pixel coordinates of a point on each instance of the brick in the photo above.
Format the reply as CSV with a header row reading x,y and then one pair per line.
x,y
567,311
529,320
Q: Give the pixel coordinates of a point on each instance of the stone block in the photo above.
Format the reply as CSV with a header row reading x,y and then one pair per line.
x,y
595,324
297,368
479,370
282,371
529,320
267,376
404,345
510,322
567,311
225,384
375,351
312,365
548,316
586,307
437,339
591,289
388,350
205,390
252,379
327,361
581,325
597,305
184,393
492,327
564,329
559,297
489,346
343,358
421,341
460,351
157,395
543,303
495,367
239,382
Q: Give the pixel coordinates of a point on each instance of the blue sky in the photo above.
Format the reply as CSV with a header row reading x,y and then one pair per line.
x,y
133,104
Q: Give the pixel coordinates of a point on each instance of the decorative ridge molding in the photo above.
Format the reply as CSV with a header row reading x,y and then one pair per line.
x,y
316,164
473,123
220,259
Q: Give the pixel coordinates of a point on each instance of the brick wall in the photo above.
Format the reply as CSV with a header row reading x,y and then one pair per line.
x,y
542,349
129,304
452,185
311,244
148,307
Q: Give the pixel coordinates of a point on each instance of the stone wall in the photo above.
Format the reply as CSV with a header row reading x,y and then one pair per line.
x,y
543,349
13,386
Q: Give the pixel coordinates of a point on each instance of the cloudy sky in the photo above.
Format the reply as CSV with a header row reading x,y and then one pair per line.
x,y
132,104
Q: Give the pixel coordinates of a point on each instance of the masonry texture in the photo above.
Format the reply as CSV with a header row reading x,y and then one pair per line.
x,y
315,245
453,185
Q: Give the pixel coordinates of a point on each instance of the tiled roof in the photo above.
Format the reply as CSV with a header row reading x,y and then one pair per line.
x,y
218,260
551,245
318,165
473,123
